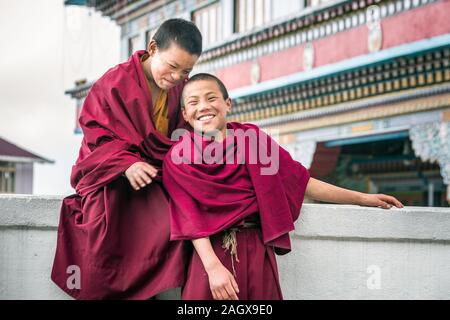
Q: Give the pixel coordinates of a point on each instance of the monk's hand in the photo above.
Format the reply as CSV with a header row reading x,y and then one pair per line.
x,y
140,174
222,283
379,200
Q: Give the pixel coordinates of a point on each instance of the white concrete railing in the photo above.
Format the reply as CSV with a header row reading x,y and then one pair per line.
x,y
339,252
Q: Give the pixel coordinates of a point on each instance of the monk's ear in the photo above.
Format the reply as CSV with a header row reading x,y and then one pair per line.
x,y
183,112
152,47
229,104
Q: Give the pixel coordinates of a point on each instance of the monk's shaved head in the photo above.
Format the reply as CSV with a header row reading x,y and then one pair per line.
x,y
205,77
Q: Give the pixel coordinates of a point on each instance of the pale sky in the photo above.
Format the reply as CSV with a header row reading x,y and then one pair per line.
x,y
45,48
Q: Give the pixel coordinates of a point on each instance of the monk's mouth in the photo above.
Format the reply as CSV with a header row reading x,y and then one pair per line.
x,y
206,117
169,82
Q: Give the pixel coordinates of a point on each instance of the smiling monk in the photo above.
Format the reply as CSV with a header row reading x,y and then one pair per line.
x,y
236,212
113,234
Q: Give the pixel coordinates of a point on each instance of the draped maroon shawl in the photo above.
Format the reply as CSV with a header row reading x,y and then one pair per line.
x,y
116,236
207,198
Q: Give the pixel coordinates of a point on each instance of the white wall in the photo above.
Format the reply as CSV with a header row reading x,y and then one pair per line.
x,y
339,252
350,252
24,178
45,48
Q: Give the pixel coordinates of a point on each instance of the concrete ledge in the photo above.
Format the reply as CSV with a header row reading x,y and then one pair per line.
x,y
337,250
29,211
345,221
316,220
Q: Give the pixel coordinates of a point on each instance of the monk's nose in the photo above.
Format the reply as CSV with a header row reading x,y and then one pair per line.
x,y
175,76
203,106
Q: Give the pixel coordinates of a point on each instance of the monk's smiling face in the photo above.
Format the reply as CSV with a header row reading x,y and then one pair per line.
x,y
205,107
168,67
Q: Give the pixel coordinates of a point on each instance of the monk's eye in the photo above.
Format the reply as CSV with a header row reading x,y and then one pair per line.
x,y
172,66
192,103
212,99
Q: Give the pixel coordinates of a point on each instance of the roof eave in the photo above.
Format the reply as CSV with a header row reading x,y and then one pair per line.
x,y
25,159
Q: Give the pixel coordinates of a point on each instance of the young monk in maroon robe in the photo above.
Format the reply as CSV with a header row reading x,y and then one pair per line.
x,y
113,235
237,211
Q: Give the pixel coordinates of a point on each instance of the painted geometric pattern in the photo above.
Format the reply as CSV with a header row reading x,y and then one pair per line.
x,y
397,75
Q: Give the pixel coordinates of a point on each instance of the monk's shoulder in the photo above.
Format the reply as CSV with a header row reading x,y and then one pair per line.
x,y
113,75
244,126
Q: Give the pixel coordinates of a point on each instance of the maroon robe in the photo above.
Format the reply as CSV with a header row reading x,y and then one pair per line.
x,y
209,198
119,237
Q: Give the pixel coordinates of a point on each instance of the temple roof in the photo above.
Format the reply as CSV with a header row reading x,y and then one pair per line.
x,y
114,8
12,153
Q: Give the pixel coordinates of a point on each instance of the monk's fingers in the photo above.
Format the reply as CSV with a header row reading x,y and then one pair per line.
x,y
235,285
150,170
231,293
391,200
214,294
133,183
139,180
219,294
146,177
384,204
224,294
375,200
398,204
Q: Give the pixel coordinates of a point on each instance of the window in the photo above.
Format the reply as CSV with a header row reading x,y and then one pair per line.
x,y
251,14
133,44
209,21
7,177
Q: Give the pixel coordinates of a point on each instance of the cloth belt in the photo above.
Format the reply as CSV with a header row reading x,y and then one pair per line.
x,y
229,241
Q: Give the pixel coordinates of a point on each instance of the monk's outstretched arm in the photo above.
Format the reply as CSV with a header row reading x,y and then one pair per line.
x,y
322,191
222,283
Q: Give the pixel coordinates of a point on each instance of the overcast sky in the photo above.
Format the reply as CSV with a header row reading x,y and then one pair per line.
x,y
45,48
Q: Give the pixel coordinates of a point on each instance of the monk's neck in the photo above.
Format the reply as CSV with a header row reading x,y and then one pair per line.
x,y
223,136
